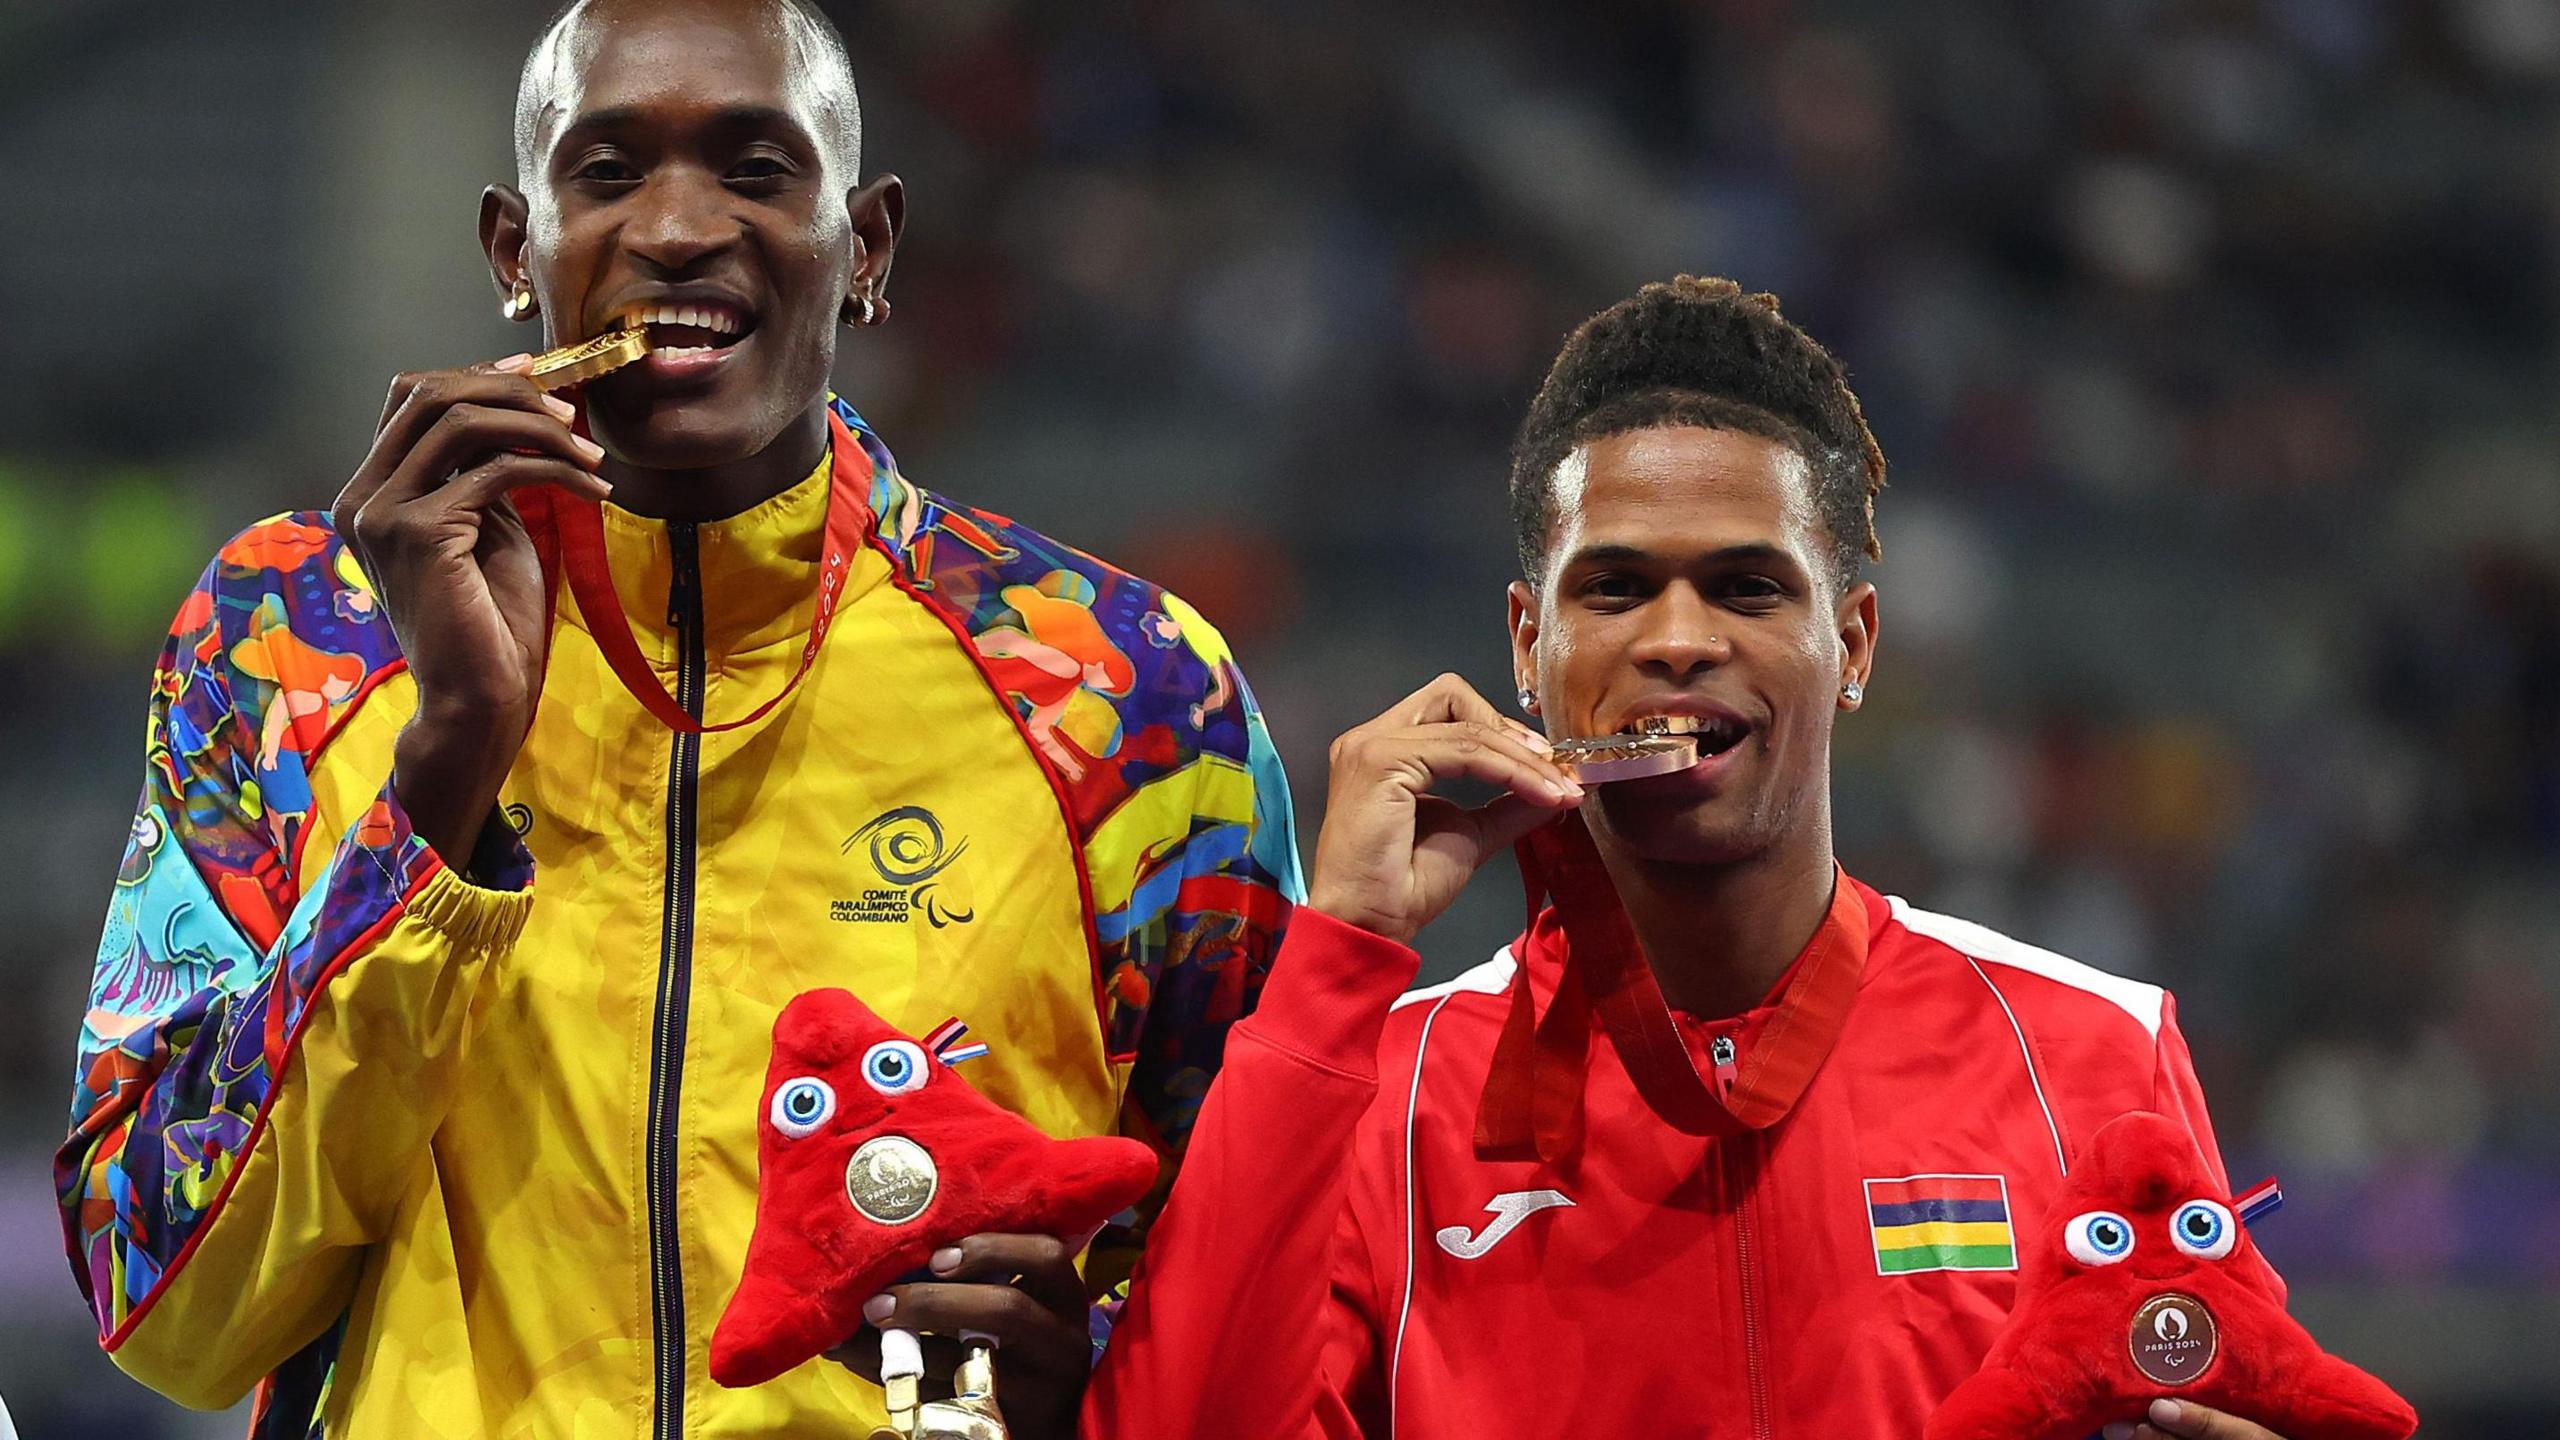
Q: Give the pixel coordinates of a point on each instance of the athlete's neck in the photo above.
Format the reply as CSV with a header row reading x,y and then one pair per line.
x,y
1719,936
716,492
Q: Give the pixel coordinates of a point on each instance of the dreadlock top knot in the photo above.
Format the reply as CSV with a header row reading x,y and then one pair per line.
x,y
1697,350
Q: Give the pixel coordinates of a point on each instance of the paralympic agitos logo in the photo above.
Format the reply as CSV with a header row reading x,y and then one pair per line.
x,y
909,853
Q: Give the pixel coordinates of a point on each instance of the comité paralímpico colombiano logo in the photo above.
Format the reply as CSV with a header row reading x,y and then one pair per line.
x,y
908,852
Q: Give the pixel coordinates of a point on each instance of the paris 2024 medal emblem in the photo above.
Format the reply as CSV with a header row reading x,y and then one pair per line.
x,y
2174,1339
891,1179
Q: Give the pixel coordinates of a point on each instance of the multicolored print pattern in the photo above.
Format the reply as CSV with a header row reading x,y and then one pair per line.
x,y
214,945
1126,693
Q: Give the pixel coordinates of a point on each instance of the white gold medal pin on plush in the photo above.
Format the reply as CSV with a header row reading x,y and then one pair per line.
x,y
1660,745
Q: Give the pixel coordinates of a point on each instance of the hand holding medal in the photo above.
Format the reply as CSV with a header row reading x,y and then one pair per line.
x,y
457,572
1393,855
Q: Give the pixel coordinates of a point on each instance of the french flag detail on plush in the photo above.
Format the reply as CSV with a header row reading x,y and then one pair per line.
x,y
2263,1198
871,1154
944,1041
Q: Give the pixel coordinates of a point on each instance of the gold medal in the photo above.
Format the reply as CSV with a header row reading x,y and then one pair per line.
x,y
1661,745
891,1179
577,364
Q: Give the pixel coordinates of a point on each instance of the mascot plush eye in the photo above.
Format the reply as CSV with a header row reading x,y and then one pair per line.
x,y
2203,1229
802,1105
2098,1237
894,1067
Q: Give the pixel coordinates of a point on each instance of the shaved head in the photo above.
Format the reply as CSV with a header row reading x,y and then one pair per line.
x,y
551,69
696,154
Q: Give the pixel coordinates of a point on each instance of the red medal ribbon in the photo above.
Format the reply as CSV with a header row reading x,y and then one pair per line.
x,y
568,536
1532,1101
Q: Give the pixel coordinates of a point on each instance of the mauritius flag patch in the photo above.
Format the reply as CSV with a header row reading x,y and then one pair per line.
x,y
1941,1222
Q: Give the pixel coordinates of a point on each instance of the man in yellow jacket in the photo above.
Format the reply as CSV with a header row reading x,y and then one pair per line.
x,y
490,818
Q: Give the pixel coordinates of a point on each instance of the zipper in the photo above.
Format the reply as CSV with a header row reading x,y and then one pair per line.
x,y
1746,1241
675,990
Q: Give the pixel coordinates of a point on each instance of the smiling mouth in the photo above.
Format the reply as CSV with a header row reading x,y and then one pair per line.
x,y
680,332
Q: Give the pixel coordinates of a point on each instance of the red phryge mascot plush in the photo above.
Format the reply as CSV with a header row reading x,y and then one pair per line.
x,y
873,1154
2152,1287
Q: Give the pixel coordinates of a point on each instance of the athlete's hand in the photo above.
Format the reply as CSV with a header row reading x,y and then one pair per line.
x,y
2186,1420
428,517
1023,1290
1392,855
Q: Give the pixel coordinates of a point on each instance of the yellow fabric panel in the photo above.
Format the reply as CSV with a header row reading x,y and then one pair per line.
x,y
1942,1232
540,1167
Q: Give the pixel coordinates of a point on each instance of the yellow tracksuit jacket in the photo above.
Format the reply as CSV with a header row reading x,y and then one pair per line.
x,y
414,1152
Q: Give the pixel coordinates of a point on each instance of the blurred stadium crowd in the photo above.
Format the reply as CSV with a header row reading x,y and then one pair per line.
x,y
2211,343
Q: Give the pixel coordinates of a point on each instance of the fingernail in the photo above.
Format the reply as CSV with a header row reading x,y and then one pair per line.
x,y
587,447
1538,742
562,408
946,1260
2121,1430
1566,790
518,363
878,1308
2165,1411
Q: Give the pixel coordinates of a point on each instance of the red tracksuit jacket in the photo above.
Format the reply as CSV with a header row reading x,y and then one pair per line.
x,y
1336,1261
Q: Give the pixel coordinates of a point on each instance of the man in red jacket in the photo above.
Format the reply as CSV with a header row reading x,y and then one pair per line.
x,y
1786,1195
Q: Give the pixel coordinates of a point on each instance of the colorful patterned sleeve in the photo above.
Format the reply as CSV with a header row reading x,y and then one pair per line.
x,y
1188,953
1135,705
1203,928
210,1184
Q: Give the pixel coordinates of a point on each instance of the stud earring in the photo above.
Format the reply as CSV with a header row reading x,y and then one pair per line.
x,y
519,302
1853,692
1528,699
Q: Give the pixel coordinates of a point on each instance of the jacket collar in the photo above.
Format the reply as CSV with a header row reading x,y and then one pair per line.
x,y
758,567
1598,979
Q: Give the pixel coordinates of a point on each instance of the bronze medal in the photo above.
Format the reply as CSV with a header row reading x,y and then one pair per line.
x,y
1661,745
2174,1339
891,1180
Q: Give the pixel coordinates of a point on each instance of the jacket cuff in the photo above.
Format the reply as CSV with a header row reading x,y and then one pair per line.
x,y
483,910
1329,992
472,917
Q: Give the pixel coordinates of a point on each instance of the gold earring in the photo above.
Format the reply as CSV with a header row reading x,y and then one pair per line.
x,y
519,304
